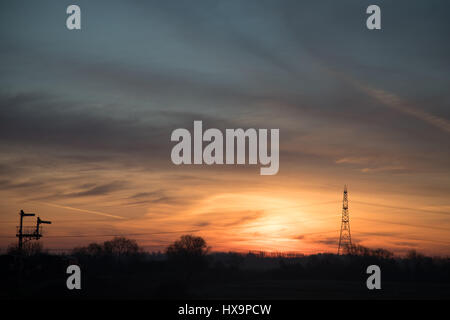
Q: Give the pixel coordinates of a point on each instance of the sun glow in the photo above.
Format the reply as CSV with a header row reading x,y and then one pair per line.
x,y
252,220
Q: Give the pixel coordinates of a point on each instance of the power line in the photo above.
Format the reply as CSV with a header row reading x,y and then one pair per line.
x,y
402,224
401,208
121,235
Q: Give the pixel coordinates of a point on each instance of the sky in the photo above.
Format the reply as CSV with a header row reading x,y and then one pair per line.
x,y
86,118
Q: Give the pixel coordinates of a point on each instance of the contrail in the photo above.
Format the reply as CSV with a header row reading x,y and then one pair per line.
x,y
389,99
83,210
393,101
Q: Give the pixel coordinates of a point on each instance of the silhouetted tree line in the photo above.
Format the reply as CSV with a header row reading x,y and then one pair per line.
x,y
117,247
120,268
31,248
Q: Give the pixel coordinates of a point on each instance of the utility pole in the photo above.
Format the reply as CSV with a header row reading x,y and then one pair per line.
x,y
345,238
38,223
29,233
20,234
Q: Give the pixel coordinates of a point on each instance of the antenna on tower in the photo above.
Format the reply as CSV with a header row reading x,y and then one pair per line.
x,y
345,238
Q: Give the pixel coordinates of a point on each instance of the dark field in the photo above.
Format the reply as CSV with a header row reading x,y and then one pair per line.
x,y
223,276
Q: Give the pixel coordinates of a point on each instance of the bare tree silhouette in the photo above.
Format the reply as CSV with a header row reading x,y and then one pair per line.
x,y
188,245
120,246
189,251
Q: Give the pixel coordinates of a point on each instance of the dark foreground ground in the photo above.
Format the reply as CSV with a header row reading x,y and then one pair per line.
x,y
223,276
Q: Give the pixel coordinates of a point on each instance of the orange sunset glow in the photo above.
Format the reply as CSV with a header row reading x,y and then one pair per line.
x,y
86,120
284,214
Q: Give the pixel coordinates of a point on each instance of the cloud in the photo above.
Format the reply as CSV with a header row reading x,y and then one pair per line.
x,y
99,190
329,241
8,184
202,224
389,234
156,197
144,195
78,133
405,244
248,216
73,128
353,160
387,169
376,164
419,226
410,209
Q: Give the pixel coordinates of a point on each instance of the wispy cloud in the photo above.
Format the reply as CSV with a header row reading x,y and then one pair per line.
x,y
99,190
